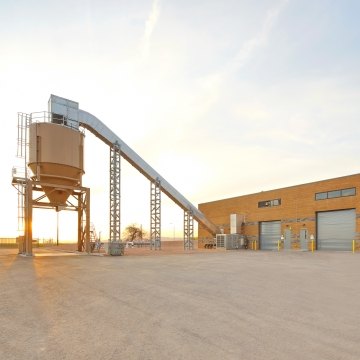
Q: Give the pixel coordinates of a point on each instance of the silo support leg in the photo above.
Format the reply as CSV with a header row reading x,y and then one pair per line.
x,y
84,221
28,219
87,221
79,244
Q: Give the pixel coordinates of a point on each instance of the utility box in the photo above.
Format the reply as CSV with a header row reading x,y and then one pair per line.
x,y
116,248
229,241
236,221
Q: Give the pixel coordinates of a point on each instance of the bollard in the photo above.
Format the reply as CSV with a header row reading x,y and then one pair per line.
x,y
353,246
278,245
312,239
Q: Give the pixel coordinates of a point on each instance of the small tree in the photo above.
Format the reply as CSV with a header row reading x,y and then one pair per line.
x,y
133,232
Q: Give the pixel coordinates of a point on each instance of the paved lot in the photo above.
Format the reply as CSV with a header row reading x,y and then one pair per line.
x,y
203,305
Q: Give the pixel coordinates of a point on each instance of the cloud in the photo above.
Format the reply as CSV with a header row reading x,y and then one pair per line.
x,y
213,93
248,50
150,25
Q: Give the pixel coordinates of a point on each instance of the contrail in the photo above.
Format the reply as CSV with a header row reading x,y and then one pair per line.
x,y
247,50
150,26
250,46
213,83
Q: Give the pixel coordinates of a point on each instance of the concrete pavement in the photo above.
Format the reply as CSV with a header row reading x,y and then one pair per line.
x,y
203,305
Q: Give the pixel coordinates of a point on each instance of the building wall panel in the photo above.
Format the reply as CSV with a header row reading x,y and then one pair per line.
x,y
297,211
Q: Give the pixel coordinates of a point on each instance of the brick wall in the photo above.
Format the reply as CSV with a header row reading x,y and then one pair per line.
x,y
297,210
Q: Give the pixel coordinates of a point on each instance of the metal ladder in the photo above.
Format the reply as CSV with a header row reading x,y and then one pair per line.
x,y
19,174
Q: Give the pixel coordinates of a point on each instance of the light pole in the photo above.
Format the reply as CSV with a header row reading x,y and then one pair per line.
x,y
57,228
173,230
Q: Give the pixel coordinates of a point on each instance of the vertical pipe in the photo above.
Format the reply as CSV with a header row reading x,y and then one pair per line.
x,y
57,227
80,209
87,223
28,218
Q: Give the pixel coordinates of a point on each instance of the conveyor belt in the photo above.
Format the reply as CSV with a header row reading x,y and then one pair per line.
x,y
99,129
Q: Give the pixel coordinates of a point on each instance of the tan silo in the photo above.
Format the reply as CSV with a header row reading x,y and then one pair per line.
x,y
56,158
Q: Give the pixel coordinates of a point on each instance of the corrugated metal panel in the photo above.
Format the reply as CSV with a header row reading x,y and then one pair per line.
x,y
336,229
220,240
270,232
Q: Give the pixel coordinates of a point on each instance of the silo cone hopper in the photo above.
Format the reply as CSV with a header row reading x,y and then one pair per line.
x,y
56,158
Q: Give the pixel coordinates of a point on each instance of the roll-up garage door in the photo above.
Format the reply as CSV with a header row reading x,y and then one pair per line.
x,y
336,229
270,232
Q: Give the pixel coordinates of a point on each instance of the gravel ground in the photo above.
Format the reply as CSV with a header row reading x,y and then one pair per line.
x,y
201,305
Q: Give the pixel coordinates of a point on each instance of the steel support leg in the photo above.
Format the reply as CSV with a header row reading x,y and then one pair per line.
x,y
28,218
155,215
84,221
115,195
188,230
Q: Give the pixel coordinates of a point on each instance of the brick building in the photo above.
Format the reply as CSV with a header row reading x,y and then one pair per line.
x,y
327,211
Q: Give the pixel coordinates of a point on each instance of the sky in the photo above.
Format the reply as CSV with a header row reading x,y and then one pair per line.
x,y
222,98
